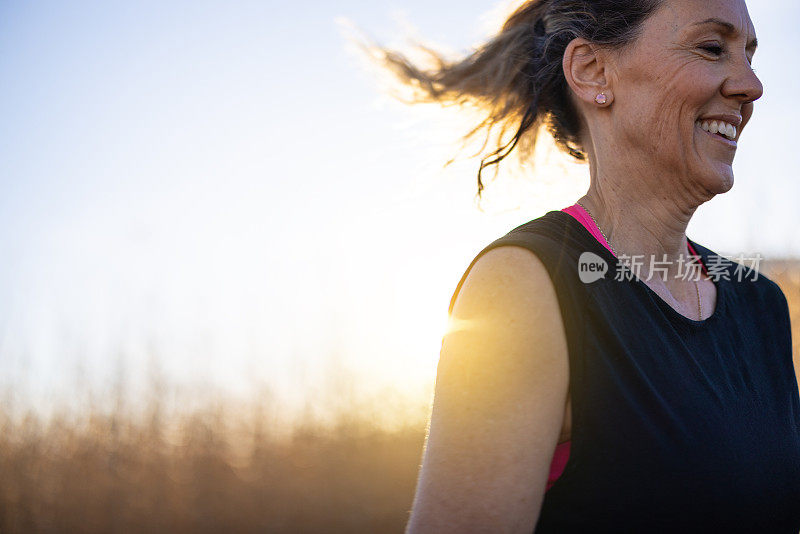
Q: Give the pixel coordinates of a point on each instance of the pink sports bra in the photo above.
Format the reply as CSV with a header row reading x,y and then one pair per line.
x,y
561,454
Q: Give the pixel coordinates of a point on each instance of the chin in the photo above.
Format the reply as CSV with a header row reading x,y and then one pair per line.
x,y
720,182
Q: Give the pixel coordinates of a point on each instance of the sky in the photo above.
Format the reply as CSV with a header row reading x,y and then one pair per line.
x,y
220,192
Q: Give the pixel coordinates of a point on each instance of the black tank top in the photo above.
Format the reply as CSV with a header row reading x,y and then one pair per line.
x,y
678,425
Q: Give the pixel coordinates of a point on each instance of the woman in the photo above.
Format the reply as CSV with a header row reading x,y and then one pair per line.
x,y
569,399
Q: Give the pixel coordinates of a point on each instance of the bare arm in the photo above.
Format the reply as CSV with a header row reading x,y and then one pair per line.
x,y
501,389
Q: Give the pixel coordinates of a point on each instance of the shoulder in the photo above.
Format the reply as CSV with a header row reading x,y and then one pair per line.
x,y
507,309
743,271
753,292
547,245
511,277
554,228
750,280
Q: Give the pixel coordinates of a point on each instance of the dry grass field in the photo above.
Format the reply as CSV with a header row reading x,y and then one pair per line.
x,y
219,468
212,470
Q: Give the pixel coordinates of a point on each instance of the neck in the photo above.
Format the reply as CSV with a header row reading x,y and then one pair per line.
x,y
642,223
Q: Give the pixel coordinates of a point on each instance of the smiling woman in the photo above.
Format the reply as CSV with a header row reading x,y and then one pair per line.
x,y
662,399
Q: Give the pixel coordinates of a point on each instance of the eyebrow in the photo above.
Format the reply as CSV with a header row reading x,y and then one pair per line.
x,y
727,28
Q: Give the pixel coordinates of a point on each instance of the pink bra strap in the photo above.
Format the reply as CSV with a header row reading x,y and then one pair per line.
x,y
558,463
586,220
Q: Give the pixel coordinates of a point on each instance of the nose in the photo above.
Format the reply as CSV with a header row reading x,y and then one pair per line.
x,y
743,84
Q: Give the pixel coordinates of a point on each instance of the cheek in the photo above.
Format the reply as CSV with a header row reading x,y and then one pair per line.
x,y
665,106
659,115
681,92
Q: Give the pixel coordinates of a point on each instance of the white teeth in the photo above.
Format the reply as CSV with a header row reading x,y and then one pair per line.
x,y
721,127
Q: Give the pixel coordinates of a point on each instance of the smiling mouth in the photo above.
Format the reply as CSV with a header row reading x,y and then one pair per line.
x,y
708,127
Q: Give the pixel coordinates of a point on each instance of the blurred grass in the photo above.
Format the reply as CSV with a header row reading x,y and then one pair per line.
x,y
211,470
786,273
221,467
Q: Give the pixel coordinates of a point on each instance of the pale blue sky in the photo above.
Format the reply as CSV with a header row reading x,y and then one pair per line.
x,y
220,186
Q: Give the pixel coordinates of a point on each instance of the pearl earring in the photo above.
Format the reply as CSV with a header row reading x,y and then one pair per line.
x,y
601,99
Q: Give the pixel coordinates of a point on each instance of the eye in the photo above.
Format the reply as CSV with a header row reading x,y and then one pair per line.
x,y
713,49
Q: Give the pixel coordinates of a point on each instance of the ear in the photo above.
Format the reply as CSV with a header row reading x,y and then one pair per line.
x,y
585,71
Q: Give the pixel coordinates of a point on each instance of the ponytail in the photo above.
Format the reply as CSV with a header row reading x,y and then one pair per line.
x,y
516,78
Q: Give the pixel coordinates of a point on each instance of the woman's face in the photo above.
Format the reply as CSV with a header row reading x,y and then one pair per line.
x,y
690,67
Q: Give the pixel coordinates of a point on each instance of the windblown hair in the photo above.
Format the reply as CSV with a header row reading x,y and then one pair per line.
x,y
516,78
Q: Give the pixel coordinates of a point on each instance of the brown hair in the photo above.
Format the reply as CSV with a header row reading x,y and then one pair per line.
x,y
516,78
